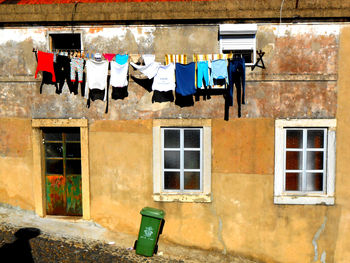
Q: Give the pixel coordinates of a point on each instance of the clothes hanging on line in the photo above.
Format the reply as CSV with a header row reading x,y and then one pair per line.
x,y
164,80
96,73
121,58
109,56
236,73
150,70
76,65
162,96
185,78
119,74
45,63
218,70
148,58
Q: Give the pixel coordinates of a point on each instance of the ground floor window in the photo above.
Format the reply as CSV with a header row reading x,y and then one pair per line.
x,y
305,161
182,160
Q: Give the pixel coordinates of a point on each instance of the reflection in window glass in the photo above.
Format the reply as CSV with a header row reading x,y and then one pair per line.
x,y
294,139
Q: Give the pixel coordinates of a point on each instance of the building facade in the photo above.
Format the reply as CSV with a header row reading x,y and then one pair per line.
x,y
271,185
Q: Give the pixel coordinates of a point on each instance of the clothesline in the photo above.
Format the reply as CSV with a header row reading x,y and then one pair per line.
x,y
177,76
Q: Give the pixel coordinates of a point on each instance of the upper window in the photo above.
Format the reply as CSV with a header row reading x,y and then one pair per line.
x,y
305,160
182,160
65,41
239,39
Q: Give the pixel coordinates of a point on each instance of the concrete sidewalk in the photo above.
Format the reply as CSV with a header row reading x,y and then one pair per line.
x,y
78,240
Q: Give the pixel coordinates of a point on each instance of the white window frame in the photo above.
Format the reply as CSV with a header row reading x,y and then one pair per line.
x,y
305,197
168,195
238,37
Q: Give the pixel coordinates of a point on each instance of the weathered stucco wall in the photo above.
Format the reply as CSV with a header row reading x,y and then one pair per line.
x,y
343,154
300,81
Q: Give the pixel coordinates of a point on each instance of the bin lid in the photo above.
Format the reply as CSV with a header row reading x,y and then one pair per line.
x,y
152,212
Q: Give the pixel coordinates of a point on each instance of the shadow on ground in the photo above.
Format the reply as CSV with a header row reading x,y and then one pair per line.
x,y
20,250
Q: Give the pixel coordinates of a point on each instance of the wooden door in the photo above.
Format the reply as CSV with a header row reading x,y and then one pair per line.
x,y
62,156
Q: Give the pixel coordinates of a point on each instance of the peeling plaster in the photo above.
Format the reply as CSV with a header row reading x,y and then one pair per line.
x,y
294,30
20,35
315,239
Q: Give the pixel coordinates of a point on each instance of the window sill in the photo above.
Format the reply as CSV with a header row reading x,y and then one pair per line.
x,y
304,200
186,198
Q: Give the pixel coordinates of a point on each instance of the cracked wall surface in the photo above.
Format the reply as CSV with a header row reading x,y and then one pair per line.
x,y
300,81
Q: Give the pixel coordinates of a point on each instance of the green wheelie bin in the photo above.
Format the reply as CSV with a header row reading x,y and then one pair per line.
x,y
151,227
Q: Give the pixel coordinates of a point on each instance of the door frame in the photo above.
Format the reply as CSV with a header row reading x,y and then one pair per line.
x,y
38,161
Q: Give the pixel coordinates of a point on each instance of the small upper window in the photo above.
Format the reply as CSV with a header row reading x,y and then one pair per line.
x,y
65,41
239,39
305,160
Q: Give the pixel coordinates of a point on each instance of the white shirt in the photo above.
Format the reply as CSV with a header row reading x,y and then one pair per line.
x,y
119,74
96,76
165,78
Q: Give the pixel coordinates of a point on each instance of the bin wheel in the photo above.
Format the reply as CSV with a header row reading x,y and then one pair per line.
x,y
155,249
135,244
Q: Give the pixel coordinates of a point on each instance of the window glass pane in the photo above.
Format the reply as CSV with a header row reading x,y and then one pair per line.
x,y
73,136
314,161
73,150
54,166
52,136
73,167
315,138
192,181
53,150
293,182
191,138
294,160
192,159
294,139
171,138
171,180
314,181
172,159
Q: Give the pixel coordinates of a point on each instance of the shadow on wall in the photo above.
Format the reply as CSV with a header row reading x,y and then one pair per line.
x,y
20,250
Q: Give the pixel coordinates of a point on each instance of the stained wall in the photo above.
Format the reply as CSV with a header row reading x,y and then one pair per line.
x,y
300,81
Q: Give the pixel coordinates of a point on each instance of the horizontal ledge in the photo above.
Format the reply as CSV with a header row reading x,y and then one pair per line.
x,y
186,198
37,123
304,200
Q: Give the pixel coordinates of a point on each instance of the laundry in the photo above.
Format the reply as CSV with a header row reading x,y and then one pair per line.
x,y
45,63
236,74
185,78
202,74
162,96
150,70
148,58
119,74
76,65
96,72
218,70
109,56
121,59
164,80
119,93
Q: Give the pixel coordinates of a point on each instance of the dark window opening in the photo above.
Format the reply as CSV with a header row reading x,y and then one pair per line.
x,y
246,54
65,41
